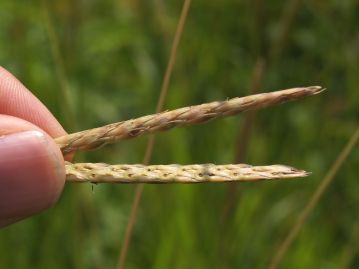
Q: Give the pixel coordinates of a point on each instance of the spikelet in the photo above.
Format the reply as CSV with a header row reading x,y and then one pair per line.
x,y
95,138
174,173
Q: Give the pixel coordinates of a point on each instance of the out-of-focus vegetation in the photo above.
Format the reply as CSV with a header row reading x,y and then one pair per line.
x,y
97,62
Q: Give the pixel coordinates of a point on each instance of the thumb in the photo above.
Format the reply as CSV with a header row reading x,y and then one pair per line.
x,y
32,171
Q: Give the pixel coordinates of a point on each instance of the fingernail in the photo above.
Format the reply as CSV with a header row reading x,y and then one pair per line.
x,y
31,174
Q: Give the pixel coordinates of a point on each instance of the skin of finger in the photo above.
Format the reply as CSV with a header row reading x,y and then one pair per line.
x,y
5,222
16,100
50,187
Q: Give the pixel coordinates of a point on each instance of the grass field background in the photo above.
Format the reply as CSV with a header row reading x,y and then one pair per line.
x,y
98,62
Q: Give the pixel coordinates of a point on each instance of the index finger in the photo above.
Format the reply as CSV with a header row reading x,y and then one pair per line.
x,y
16,100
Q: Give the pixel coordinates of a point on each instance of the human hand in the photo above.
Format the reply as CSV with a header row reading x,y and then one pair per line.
x,y
32,171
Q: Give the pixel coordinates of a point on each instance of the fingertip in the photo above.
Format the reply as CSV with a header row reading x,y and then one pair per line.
x,y
32,174
16,100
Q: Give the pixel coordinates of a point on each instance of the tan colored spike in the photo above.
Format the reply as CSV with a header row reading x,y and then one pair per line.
x,y
95,138
174,173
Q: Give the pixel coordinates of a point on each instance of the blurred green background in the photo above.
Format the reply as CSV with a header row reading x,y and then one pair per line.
x,y
98,62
